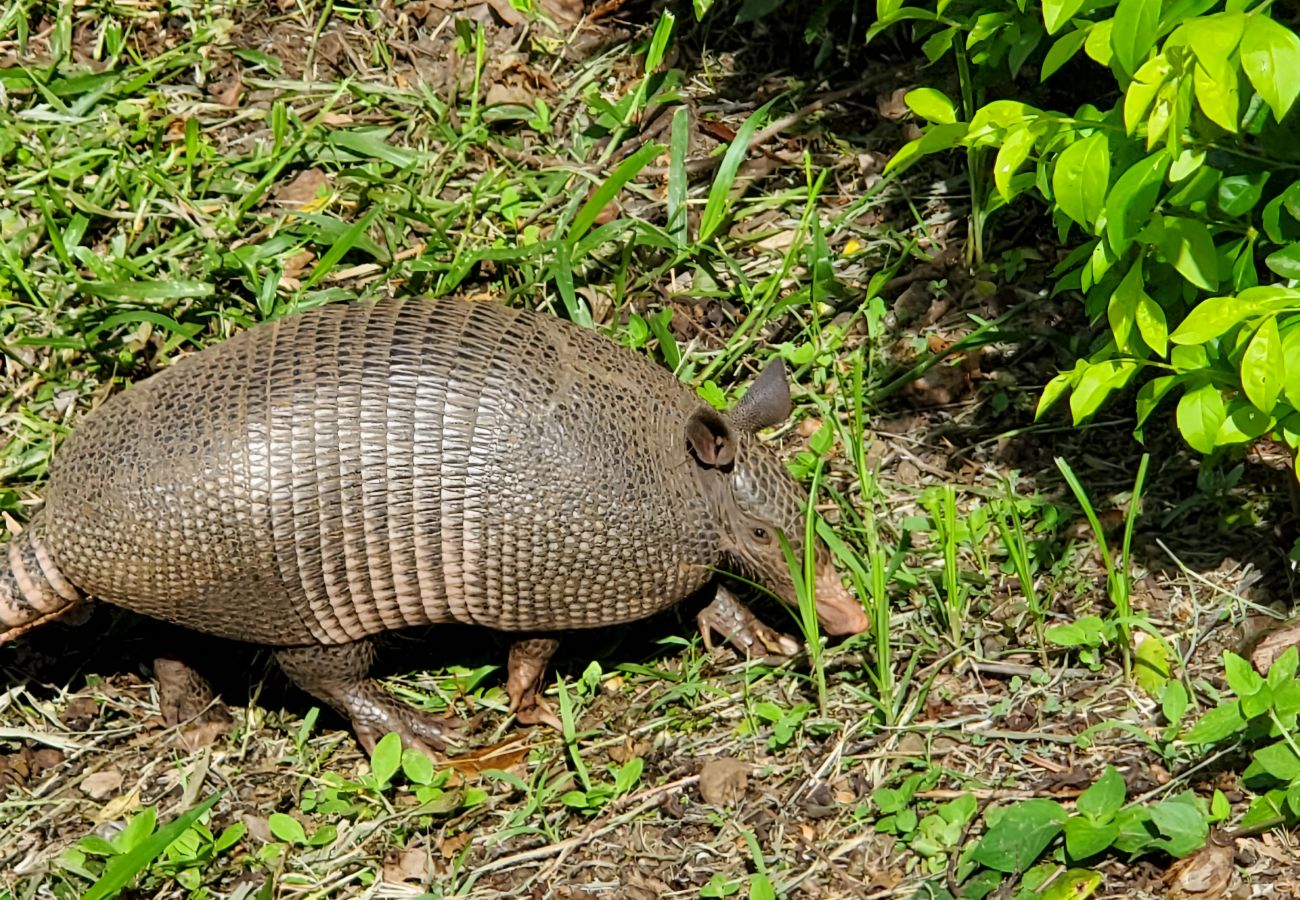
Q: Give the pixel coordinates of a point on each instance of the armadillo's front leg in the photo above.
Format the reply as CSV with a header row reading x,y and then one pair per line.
x,y
339,675
727,616
528,659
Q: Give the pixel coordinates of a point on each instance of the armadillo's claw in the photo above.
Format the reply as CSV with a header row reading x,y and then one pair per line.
x,y
419,731
527,666
734,621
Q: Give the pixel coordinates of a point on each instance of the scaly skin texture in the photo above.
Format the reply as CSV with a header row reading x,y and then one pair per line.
x,y
360,468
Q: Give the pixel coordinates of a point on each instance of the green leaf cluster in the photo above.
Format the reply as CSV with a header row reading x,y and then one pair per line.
x,y
1182,200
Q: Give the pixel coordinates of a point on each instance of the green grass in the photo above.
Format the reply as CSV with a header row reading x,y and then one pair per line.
x,y
145,216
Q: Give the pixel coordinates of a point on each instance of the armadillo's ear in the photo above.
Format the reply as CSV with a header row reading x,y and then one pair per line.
x,y
710,438
768,400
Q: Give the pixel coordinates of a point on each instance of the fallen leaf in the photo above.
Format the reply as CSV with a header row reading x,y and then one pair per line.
x,y
504,755
723,780
1205,874
407,865
119,807
893,106
296,263
453,844
101,785
1272,644
303,189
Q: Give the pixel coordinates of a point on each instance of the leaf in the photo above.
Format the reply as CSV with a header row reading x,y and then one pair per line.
x,y
1152,324
1238,194
1011,156
1062,52
1188,246
146,290
1182,825
1264,366
1262,374
1279,760
1285,262
1243,423
1291,350
1270,54
286,828
386,758
1241,675
1200,413
1054,390
1212,38
371,143
626,171
1175,702
1133,35
1072,884
1057,12
417,767
1020,836
936,139
121,869
1151,394
1104,798
1209,319
1080,179
1097,46
1084,838
931,105
1142,90
1121,311
1217,725
1131,200
1151,669
716,207
1097,383
1216,94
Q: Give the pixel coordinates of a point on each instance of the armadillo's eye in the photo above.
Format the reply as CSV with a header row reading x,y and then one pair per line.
x,y
761,535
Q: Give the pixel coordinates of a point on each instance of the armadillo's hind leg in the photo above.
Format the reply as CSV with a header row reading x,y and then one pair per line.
x,y
528,659
339,675
32,589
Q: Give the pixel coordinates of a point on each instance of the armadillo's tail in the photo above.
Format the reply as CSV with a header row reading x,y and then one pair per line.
x,y
32,589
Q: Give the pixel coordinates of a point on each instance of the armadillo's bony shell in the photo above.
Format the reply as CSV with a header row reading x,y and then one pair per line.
x,y
363,467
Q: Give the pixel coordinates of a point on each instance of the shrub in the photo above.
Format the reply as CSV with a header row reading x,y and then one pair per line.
x,y
1181,200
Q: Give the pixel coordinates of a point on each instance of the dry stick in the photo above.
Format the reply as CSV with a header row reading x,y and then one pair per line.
x,y
648,798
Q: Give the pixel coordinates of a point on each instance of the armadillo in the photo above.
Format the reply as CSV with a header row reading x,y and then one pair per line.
x,y
362,467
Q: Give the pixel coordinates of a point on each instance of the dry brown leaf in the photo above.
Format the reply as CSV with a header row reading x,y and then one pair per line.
x,y
119,807
1204,875
296,263
1266,650
504,755
407,865
258,827
723,780
453,844
101,785
940,386
226,92
893,106
303,189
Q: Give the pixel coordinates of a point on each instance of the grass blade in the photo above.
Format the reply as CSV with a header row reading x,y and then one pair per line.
x,y
717,207
121,869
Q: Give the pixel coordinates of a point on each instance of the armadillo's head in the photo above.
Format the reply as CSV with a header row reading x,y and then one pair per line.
x,y
755,499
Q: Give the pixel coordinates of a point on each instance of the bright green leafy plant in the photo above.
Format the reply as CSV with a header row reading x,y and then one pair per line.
x,y
1181,200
